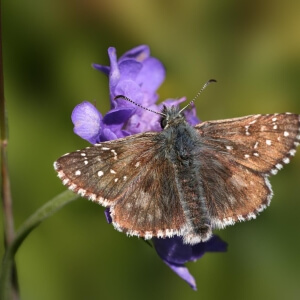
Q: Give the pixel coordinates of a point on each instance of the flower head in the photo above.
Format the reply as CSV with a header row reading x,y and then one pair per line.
x,y
175,254
136,75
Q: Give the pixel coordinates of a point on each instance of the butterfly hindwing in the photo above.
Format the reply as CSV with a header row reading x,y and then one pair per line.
x,y
151,205
233,192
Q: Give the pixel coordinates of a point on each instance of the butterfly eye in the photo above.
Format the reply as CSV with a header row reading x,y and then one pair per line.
x,y
163,123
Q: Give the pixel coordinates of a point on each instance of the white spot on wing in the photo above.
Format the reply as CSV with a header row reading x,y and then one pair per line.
x,y
78,172
114,153
251,216
100,173
81,192
286,133
269,142
61,174
274,171
160,234
263,128
286,160
93,197
240,218
148,235
247,129
65,181
73,186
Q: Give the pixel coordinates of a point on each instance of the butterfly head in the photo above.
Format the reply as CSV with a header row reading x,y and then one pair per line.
x,y
171,117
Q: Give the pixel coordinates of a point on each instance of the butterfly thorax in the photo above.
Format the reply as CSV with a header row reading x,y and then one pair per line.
x,y
178,137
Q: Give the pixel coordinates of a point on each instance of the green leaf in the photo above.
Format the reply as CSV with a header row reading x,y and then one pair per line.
x,y
33,221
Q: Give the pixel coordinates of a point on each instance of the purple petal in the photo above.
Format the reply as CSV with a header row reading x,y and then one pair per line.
x,y
183,272
139,53
174,251
101,68
87,121
118,116
108,135
215,244
151,76
114,74
174,254
130,89
144,121
130,69
107,215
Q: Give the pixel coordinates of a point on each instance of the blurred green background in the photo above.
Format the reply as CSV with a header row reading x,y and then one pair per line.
x,y
251,47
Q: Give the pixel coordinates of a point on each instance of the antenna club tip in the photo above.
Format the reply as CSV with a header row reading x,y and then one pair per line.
x,y
211,80
119,96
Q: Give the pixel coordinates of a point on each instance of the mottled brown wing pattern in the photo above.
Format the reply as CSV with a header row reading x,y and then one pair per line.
x,y
237,157
123,174
151,204
185,181
260,142
233,192
92,172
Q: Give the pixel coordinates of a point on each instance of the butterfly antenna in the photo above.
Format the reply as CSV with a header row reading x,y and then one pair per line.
x,y
198,94
125,98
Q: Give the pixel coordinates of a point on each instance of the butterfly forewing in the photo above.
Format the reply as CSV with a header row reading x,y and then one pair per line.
x,y
260,142
101,172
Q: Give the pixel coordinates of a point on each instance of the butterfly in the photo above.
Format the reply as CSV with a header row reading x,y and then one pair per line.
x,y
184,181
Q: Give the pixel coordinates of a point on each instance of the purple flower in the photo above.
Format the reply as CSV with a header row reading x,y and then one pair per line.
x,y
175,254
137,75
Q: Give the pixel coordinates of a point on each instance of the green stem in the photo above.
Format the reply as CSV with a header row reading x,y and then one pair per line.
x,y
33,221
8,220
